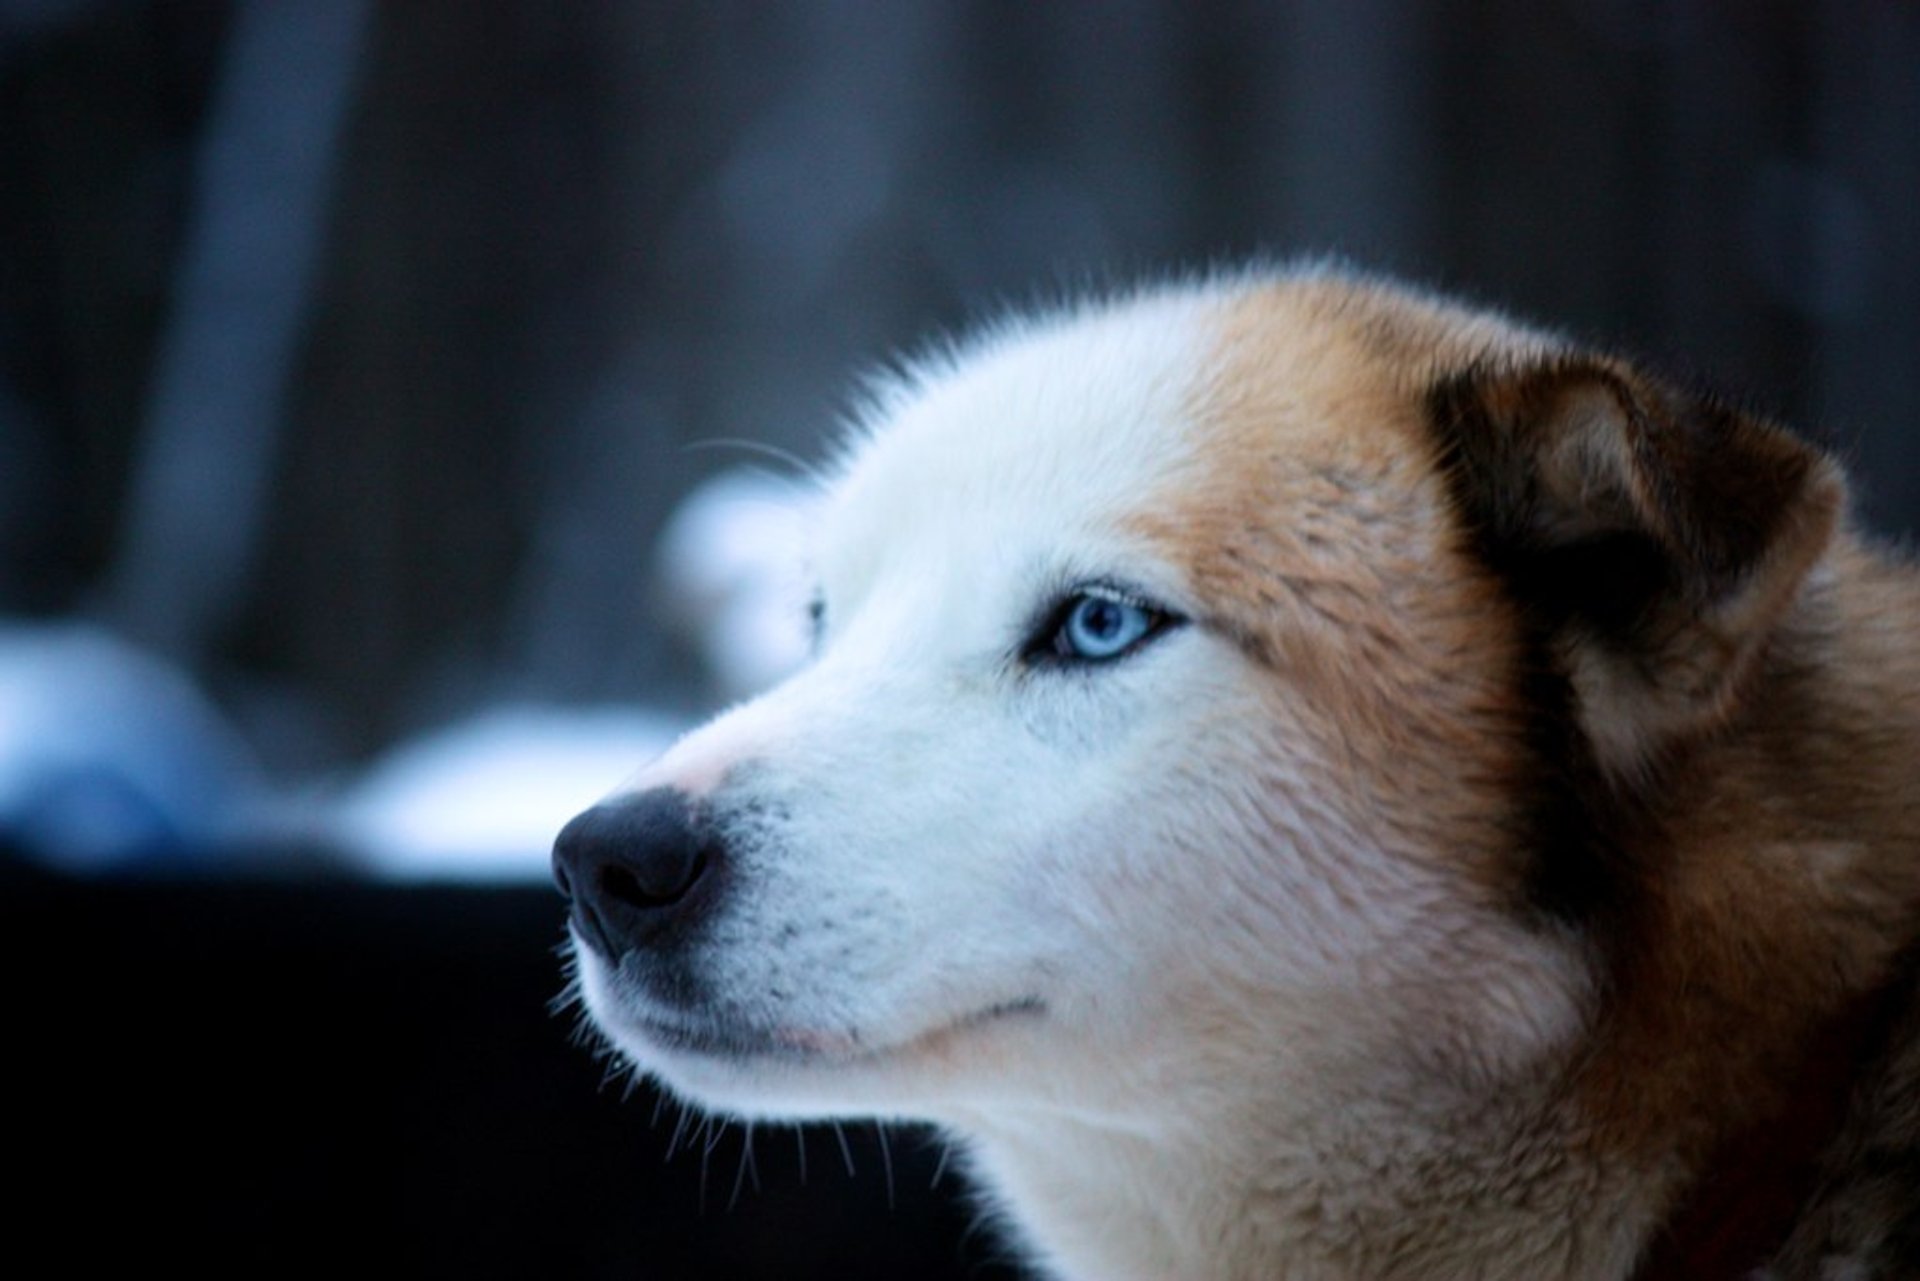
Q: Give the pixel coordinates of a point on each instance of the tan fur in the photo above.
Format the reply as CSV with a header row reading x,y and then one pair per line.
x,y
1322,523
1794,846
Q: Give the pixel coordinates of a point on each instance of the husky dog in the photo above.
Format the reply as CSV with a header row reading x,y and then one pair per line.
x,y
1306,779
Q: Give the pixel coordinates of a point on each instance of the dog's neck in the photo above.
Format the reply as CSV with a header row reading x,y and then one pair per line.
x,y
1415,1132
1350,1190
1368,1192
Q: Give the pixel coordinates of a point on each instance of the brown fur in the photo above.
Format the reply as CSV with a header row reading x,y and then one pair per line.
x,y
1344,597
1736,727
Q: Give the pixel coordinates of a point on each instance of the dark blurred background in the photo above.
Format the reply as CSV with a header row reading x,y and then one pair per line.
x,y
359,361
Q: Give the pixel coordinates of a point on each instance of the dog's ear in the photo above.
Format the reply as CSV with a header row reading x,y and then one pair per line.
x,y
1653,536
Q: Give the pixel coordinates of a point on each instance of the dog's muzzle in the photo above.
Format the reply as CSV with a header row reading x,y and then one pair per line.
x,y
631,869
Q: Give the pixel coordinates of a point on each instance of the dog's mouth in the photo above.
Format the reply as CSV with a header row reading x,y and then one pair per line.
x,y
714,1038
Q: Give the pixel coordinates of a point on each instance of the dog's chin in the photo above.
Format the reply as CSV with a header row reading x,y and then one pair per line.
x,y
795,1071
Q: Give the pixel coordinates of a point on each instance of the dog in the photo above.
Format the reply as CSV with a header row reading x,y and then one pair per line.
x,y
1306,778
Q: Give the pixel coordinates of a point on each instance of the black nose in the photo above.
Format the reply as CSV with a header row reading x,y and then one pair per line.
x,y
629,867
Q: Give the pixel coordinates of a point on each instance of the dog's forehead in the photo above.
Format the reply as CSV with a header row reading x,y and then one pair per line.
x,y
1046,434
1156,422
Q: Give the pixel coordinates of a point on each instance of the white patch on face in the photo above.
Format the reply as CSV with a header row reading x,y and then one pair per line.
x,y
922,819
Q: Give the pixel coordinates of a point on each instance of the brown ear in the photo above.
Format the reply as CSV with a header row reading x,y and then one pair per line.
x,y
1657,536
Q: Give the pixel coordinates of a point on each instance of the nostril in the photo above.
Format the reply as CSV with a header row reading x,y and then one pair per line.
x,y
664,883
617,882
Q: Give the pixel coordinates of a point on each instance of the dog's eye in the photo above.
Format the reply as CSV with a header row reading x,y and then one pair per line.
x,y
1096,625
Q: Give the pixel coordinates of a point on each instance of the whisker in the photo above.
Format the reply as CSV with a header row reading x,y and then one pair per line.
x,y
714,1128
940,1166
846,1153
746,1164
568,997
802,470
700,1206
886,1161
679,1129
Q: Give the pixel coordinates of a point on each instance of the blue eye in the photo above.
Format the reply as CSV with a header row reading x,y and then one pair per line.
x,y
1094,626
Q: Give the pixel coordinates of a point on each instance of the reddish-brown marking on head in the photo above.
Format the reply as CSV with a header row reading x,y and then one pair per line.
x,y
1770,871
1316,528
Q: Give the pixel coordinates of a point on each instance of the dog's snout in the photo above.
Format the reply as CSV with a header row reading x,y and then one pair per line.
x,y
628,867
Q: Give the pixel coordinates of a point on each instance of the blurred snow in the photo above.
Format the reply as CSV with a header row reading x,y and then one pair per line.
x,y
732,565
109,757
484,798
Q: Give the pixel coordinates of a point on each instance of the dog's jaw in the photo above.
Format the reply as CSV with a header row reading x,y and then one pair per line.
x,y
1478,1190
797,1070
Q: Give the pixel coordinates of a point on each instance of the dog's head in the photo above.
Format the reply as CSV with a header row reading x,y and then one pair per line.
x,y
1208,683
